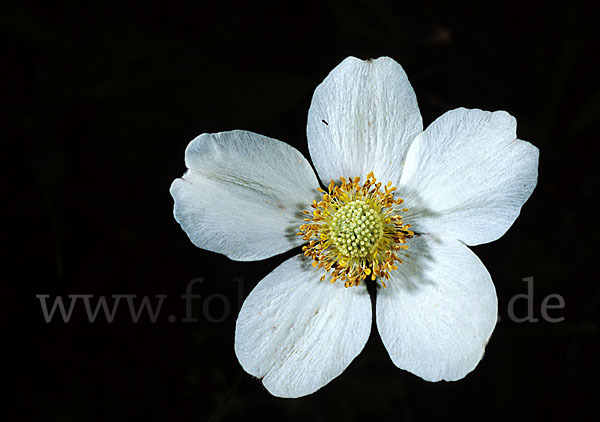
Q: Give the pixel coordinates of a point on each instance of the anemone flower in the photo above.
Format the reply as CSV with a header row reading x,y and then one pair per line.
x,y
398,207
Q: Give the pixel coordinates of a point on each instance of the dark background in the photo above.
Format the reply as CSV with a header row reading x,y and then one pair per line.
x,y
101,102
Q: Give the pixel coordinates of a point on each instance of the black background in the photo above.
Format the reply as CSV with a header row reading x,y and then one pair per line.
x,y
102,100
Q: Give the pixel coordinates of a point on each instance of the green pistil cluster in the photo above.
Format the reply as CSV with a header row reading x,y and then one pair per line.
x,y
356,229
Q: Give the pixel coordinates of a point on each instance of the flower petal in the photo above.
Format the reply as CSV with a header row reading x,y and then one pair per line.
x,y
467,176
298,333
362,118
243,195
438,310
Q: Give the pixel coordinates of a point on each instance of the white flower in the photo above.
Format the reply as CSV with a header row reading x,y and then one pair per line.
x,y
463,181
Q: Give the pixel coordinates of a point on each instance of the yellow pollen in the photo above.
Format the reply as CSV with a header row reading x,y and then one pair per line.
x,y
355,231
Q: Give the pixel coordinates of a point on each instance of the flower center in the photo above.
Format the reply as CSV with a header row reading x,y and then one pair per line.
x,y
356,230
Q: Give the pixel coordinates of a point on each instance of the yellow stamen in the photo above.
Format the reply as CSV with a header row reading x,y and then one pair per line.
x,y
355,231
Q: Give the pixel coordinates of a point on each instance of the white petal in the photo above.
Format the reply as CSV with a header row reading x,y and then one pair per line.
x,y
298,333
438,310
363,118
243,195
467,175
